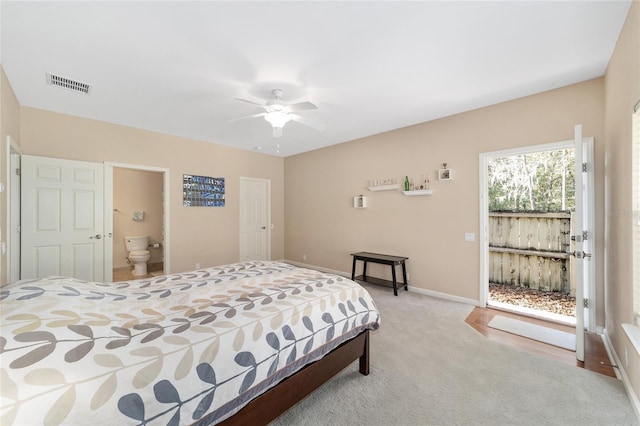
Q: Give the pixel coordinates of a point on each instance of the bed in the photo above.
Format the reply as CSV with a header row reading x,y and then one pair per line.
x,y
234,344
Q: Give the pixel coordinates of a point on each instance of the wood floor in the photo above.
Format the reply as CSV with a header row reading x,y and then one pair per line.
x,y
595,354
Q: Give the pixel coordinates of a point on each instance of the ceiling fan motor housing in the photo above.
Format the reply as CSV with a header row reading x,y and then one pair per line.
x,y
276,104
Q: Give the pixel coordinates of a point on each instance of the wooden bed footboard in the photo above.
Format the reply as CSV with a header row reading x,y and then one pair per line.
x,y
293,389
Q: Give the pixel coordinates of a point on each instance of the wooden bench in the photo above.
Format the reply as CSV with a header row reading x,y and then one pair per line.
x,y
384,259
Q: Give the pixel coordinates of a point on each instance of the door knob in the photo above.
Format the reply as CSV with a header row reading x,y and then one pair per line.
x,y
264,227
97,237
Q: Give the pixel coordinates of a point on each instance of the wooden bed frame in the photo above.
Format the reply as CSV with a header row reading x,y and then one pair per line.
x,y
293,389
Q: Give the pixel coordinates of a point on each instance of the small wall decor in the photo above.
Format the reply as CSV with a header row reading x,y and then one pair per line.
x,y
444,173
203,191
359,202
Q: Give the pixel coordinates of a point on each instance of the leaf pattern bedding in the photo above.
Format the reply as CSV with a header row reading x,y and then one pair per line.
x,y
178,349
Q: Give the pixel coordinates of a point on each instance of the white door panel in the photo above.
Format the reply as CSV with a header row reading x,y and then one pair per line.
x,y
62,218
583,228
48,261
254,219
13,229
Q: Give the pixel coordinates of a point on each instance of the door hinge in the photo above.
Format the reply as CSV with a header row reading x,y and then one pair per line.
x,y
580,238
586,303
18,172
580,255
584,167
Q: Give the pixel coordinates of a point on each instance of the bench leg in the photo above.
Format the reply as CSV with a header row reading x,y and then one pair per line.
x,y
353,269
395,284
364,271
404,276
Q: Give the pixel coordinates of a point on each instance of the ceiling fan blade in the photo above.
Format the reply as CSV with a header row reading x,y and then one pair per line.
x,y
250,102
307,122
302,106
262,114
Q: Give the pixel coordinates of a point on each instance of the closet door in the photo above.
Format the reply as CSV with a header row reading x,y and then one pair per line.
x,y
62,219
255,229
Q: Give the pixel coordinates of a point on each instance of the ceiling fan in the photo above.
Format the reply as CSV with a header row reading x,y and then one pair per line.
x,y
279,113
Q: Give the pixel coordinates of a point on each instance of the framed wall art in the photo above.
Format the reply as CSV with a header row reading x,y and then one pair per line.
x,y
202,191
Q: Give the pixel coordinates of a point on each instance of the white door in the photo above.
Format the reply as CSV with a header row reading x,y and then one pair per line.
x,y
583,266
62,218
13,197
254,219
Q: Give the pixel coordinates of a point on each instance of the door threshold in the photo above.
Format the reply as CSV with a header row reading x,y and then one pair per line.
x,y
534,313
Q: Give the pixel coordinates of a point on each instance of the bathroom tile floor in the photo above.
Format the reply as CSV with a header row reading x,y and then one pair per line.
x,y
127,275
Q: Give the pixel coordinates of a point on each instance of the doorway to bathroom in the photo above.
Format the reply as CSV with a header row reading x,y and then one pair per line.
x,y
136,206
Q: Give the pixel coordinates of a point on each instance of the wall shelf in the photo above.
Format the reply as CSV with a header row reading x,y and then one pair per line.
x,y
360,202
384,187
445,174
418,192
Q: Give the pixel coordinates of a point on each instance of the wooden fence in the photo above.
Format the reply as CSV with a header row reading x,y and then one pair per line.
x,y
530,250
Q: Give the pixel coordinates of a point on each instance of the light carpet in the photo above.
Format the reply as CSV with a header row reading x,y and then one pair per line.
x,y
536,332
428,367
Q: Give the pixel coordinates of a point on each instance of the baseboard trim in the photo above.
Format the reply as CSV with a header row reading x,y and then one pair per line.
x,y
621,373
318,268
418,290
445,296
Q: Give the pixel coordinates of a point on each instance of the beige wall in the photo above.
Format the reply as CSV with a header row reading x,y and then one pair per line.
x,y
622,88
9,126
323,225
136,190
206,235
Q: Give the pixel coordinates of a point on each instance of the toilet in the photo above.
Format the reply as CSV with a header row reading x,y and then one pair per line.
x,y
138,254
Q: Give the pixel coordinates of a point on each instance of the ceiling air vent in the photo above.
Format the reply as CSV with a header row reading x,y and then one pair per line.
x,y
67,83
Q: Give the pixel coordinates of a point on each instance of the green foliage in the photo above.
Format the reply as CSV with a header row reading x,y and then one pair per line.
x,y
533,182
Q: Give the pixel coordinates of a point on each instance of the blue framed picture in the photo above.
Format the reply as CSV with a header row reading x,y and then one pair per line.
x,y
202,191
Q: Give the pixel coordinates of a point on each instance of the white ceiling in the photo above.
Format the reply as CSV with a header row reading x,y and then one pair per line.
x,y
370,67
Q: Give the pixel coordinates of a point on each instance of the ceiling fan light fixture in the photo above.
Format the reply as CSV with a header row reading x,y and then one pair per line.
x,y
277,119
278,113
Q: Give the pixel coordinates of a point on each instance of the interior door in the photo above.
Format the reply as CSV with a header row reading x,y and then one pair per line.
x,y
583,266
62,219
254,219
13,197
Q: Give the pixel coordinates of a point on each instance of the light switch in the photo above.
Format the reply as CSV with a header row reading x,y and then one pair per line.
x,y
469,236
1,187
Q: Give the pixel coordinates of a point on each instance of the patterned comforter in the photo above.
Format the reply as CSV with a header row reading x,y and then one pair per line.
x,y
178,349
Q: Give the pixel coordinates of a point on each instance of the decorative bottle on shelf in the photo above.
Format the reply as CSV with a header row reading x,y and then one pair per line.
x,y
406,183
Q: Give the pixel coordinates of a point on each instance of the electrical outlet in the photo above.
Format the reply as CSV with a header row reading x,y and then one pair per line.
x,y
197,265
626,357
304,257
408,276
